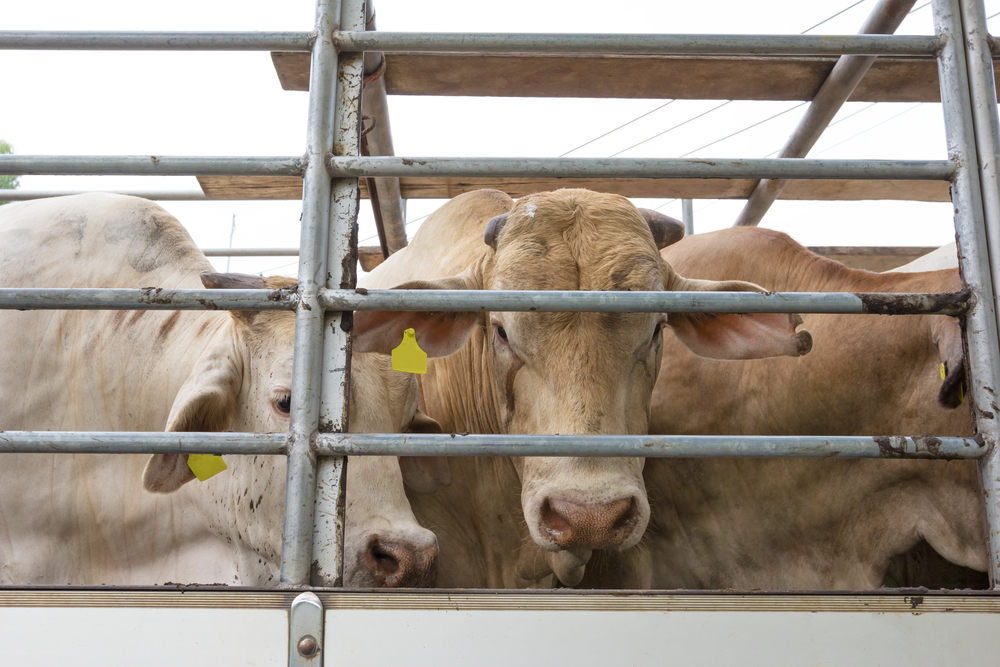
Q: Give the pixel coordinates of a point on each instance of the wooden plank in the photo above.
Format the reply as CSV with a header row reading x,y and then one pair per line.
x,y
905,79
872,258
290,187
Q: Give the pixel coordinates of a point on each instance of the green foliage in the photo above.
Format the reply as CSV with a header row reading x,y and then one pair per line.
x,y
7,182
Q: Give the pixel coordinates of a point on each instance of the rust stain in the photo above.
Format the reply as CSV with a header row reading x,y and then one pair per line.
x,y
949,303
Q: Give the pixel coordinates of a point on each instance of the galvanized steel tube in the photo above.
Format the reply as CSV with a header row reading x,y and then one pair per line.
x,y
300,482
657,446
762,45
73,40
334,379
687,216
974,257
121,442
250,252
354,167
845,77
147,165
647,302
880,303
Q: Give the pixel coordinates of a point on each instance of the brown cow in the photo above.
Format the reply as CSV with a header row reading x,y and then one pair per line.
x,y
795,523
566,373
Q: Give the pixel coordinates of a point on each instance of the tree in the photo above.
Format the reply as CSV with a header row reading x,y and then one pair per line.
x,y
7,182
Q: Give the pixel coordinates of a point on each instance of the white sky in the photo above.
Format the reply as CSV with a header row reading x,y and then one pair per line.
x,y
184,103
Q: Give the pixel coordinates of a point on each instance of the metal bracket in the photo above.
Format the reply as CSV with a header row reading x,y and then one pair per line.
x,y
305,631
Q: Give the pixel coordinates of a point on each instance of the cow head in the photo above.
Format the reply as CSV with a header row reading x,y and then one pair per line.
x,y
243,381
587,373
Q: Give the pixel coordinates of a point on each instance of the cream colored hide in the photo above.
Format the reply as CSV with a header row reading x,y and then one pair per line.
x,y
945,257
808,524
86,519
551,373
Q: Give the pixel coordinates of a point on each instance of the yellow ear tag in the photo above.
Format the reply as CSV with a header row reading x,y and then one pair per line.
x,y
205,465
408,357
944,373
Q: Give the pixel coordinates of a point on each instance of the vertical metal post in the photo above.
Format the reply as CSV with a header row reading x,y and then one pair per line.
x,y
687,216
845,77
974,257
341,273
305,631
300,489
391,203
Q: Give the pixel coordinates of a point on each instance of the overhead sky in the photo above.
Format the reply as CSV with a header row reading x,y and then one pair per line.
x,y
197,103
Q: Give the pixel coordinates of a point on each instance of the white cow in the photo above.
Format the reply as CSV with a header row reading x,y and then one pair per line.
x,y
86,519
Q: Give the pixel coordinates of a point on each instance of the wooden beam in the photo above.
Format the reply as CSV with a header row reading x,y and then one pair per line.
x,y
909,79
872,258
290,187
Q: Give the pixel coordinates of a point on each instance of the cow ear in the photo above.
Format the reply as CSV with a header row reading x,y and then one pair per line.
x,y
206,402
946,332
423,474
439,334
737,336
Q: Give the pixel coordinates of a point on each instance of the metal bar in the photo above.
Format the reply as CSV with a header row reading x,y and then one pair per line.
x,y
375,104
762,45
300,482
72,40
659,446
305,631
147,298
954,303
163,195
121,442
250,252
334,380
147,165
687,215
641,168
397,444
987,129
983,350
845,77
876,303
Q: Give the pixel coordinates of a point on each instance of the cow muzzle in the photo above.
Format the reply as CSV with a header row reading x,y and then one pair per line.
x,y
400,563
575,526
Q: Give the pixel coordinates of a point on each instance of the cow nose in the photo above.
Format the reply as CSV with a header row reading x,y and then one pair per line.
x,y
400,564
598,526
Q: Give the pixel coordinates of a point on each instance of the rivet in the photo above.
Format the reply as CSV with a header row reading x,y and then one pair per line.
x,y
308,646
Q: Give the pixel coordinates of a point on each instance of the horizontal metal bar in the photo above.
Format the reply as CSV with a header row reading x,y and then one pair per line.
x,y
148,165
66,40
147,298
395,444
774,45
953,303
657,446
122,442
250,252
641,168
156,195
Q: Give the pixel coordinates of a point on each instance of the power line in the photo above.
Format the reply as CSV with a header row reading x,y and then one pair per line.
x,y
671,129
854,136
748,127
616,129
829,18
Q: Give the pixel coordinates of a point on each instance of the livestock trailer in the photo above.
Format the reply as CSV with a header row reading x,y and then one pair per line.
x,y
308,620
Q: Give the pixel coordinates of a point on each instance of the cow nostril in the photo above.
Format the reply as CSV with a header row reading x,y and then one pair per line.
x,y
552,520
385,563
627,517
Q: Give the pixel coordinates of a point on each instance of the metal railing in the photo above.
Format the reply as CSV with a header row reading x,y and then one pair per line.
x,y
330,169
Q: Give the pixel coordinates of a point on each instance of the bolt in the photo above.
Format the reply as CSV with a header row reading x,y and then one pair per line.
x,y
308,646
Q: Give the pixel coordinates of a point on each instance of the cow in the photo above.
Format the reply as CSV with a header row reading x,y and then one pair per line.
x,y
551,373
800,523
137,519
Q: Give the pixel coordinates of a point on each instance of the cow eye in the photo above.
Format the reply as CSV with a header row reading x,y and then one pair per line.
x,y
502,333
283,403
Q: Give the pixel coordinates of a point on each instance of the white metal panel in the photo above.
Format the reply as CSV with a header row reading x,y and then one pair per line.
x,y
585,638
129,636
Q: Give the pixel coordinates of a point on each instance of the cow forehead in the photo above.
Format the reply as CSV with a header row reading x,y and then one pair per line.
x,y
575,239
